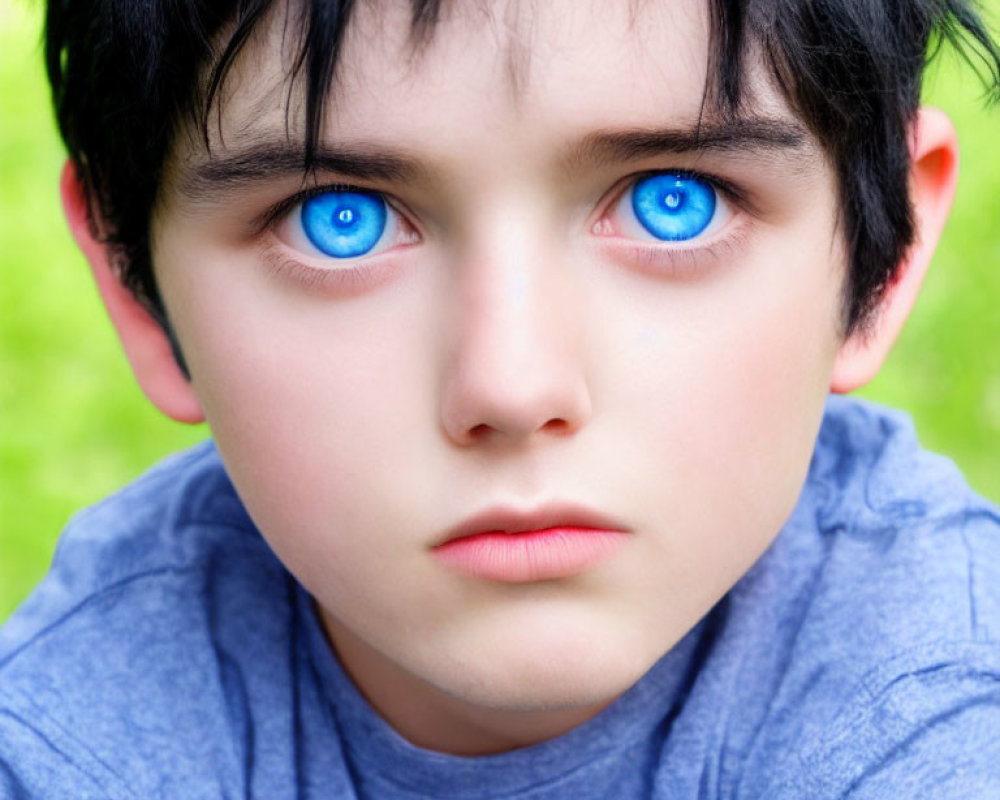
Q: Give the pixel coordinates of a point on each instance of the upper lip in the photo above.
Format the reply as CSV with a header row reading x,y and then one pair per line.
x,y
507,519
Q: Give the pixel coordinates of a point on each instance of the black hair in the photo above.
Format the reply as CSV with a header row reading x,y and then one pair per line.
x,y
127,74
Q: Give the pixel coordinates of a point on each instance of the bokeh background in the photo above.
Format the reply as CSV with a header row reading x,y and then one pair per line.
x,y
74,426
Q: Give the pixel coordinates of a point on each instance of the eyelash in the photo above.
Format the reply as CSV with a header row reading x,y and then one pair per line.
x,y
676,260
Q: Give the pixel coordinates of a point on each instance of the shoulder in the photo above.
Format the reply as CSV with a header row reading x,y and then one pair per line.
x,y
888,550
925,724
900,532
38,761
884,590
143,634
169,521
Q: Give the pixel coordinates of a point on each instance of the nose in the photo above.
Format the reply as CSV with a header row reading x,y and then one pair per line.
x,y
515,368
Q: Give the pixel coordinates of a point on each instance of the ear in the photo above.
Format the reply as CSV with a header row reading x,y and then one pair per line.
x,y
146,344
933,176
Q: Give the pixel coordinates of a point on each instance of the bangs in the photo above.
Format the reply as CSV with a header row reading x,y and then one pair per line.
x,y
320,28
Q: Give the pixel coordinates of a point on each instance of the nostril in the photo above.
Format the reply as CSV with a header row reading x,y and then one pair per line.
x,y
557,426
479,431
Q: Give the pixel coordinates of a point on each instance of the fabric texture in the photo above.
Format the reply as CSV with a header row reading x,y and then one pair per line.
x,y
169,654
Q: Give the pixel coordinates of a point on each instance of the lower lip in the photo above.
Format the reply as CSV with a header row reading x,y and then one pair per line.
x,y
530,556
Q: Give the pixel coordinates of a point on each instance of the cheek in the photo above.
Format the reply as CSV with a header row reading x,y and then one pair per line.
x,y
731,385
313,405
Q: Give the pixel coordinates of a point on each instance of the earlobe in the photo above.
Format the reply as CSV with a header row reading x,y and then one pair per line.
x,y
933,177
146,345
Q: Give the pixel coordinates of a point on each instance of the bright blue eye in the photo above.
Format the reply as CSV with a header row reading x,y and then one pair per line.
x,y
673,207
344,224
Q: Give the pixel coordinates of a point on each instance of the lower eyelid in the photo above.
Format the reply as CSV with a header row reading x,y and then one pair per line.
x,y
678,261
356,277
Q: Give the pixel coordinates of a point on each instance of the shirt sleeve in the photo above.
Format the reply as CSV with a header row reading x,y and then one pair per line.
x,y
928,732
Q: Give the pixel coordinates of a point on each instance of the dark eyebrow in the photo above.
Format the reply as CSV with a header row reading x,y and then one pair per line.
x,y
748,136
218,176
258,163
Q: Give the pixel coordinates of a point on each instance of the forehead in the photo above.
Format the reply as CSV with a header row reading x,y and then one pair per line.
x,y
522,52
511,79
521,57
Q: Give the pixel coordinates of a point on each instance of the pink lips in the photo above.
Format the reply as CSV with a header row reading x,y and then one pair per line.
x,y
523,548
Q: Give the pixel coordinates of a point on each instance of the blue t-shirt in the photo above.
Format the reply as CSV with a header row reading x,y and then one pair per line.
x,y
170,655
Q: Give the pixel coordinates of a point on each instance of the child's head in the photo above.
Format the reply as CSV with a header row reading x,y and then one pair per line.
x,y
514,265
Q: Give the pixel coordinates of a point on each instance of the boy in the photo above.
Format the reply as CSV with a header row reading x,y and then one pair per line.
x,y
514,325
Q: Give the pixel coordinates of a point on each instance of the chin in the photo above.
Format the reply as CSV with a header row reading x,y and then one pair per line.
x,y
556,674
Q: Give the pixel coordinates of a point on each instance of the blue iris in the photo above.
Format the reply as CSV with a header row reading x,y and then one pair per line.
x,y
344,224
673,207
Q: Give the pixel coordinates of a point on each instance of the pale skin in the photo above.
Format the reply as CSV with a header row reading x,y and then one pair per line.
x,y
514,348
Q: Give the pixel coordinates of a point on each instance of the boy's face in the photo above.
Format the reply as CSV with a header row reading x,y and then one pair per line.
x,y
516,344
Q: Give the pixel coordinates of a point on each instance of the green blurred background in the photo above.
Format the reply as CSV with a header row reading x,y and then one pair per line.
x,y
74,426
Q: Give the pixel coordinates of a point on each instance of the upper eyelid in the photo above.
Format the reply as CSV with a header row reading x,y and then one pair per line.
x,y
732,191
275,212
